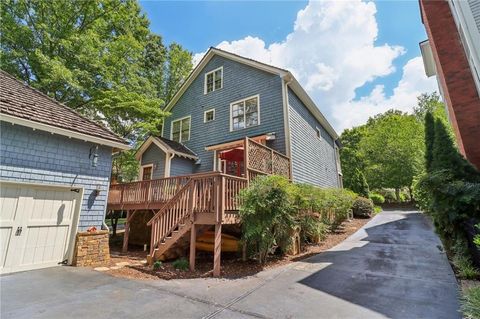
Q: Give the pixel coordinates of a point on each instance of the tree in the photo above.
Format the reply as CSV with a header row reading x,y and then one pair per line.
x,y
350,155
359,184
97,56
429,139
429,103
393,149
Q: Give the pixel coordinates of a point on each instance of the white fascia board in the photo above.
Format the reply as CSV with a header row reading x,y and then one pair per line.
x,y
312,107
61,131
208,56
165,148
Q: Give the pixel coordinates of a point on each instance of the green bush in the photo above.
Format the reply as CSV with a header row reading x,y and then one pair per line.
x,y
157,265
322,201
180,264
471,303
377,209
362,207
268,214
377,199
476,239
388,195
272,208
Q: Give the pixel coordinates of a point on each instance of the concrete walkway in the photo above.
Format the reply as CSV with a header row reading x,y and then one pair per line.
x,y
392,268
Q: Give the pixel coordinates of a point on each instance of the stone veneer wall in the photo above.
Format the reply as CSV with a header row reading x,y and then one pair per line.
x,y
91,249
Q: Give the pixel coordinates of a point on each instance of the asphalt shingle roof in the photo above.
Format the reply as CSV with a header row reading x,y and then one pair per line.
x,y
177,147
20,100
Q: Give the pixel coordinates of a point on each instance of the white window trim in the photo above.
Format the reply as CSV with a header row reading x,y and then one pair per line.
x,y
140,176
205,80
189,130
205,116
318,132
243,100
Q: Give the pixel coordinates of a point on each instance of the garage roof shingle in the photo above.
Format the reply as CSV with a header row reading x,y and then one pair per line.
x,y
20,100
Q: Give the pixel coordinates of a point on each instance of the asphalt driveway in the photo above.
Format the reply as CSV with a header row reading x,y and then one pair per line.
x,y
392,268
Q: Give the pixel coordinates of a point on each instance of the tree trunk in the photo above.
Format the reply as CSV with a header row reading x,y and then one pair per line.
x,y
397,194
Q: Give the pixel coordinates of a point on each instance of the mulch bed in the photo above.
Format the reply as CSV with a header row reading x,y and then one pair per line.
x,y
232,265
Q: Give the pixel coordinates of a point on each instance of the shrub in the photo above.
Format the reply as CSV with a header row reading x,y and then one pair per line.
x,y
471,303
377,209
157,265
476,239
181,264
268,214
389,195
324,201
312,229
362,207
272,208
377,199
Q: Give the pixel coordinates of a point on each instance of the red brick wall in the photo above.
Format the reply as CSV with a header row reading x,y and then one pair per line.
x,y
455,76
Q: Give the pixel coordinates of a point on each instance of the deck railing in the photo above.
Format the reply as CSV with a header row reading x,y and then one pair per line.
x,y
262,160
153,191
212,193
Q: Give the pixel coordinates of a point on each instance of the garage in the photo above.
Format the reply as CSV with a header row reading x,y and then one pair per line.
x,y
38,224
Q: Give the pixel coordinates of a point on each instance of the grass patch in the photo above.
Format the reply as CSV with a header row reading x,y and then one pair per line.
x,y
471,303
465,268
180,264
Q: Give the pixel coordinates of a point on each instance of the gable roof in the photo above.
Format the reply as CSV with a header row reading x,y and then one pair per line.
x,y
23,105
166,145
285,74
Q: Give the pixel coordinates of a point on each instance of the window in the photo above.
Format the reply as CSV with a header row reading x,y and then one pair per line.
x,y
318,131
209,115
181,130
214,80
244,113
147,171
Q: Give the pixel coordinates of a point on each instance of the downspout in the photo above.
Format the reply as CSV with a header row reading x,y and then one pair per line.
x,y
168,162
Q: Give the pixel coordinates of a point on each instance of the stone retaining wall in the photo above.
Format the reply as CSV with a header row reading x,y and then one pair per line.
x,y
91,249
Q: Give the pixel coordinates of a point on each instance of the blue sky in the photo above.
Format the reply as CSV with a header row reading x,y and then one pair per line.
x,y
198,25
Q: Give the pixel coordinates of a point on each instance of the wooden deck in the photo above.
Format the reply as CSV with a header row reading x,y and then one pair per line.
x,y
181,203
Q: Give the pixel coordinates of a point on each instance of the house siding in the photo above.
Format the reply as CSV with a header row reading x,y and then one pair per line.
x,y
43,158
239,81
181,166
313,159
154,155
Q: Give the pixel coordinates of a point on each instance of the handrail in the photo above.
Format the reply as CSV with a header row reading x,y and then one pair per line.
x,y
206,193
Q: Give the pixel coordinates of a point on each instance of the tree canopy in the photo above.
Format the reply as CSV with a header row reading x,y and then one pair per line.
x,y
389,149
96,56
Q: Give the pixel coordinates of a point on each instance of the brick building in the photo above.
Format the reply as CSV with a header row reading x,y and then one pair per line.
x,y
452,52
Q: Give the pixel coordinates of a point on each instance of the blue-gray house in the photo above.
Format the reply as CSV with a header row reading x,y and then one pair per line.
x,y
55,168
227,98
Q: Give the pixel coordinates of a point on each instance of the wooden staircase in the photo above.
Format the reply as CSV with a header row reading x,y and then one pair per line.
x,y
206,199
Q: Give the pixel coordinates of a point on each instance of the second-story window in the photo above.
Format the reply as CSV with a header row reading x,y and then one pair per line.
x,y
214,80
181,130
209,115
245,113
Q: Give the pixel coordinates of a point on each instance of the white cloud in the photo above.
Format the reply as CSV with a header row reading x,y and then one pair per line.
x,y
332,52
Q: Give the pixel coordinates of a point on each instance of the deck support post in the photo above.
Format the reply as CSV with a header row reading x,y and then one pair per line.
x,y
217,250
193,241
126,233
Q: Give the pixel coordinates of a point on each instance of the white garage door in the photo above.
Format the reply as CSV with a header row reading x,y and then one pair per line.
x,y
36,225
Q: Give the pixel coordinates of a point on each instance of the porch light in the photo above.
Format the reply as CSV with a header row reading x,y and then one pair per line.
x,y
94,155
270,136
